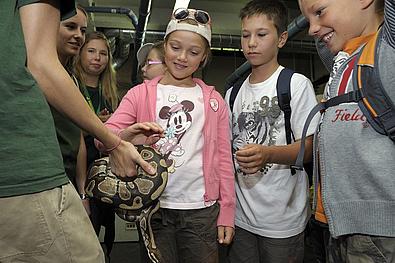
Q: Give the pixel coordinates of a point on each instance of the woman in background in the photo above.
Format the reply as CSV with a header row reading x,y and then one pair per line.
x,y
97,82
70,39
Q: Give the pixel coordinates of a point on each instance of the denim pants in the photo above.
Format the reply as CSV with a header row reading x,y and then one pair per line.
x,y
248,247
47,227
362,249
187,236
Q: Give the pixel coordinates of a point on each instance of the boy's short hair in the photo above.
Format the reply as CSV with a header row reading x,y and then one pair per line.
x,y
275,10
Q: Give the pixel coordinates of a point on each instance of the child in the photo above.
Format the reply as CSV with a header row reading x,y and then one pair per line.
x,y
97,83
151,58
357,164
272,206
197,206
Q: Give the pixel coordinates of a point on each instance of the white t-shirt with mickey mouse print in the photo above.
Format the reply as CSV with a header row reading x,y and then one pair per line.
x,y
180,111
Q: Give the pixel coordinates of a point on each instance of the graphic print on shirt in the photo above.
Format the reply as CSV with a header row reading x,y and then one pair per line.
x,y
339,60
179,120
256,124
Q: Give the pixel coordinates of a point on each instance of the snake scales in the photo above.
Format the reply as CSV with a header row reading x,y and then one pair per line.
x,y
135,200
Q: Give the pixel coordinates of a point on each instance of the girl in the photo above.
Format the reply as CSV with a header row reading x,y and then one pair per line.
x,y
97,82
197,206
151,59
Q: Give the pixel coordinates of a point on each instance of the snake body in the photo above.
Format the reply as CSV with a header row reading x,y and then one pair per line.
x,y
135,200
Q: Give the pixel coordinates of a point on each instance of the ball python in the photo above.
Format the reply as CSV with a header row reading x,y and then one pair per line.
x,y
135,199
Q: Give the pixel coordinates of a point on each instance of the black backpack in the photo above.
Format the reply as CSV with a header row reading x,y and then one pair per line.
x,y
284,102
368,92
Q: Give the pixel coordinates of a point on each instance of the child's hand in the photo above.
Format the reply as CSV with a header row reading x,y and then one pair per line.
x,y
143,133
104,115
225,234
252,157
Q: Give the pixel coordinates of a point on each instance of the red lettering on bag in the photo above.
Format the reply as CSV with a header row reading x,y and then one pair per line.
x,y
344,115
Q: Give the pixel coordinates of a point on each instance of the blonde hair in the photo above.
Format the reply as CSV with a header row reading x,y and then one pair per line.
x,y
207,51
107,78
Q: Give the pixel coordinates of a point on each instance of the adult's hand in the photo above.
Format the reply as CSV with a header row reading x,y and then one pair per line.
x,y
123,160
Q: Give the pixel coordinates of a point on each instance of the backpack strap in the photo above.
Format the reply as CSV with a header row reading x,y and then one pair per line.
x,y
353,96
376,105
284,102
235,89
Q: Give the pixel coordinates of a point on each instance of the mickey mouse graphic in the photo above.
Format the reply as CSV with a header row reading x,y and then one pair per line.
x,y
179,120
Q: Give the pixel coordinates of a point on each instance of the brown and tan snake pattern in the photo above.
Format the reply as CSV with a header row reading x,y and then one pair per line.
x,y
135,200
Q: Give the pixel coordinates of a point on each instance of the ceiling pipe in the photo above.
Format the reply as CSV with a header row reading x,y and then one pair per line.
x,y
122,47
120,41
114,10
297,25
144,12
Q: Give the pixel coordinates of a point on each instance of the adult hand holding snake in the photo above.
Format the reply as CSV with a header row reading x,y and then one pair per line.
x,y
124,157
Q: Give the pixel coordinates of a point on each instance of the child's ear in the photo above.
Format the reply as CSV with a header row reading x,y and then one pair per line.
x,y
282,39
203,61
366,3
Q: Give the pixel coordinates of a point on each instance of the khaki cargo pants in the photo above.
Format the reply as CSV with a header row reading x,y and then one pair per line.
x,y
50,226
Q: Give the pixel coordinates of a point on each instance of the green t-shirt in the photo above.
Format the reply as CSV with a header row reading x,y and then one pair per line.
x,y
30,159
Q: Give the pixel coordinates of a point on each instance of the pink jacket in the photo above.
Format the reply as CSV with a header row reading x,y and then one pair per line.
x,y
139,105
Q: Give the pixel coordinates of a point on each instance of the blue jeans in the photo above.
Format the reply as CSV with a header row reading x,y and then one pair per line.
x,y
49,226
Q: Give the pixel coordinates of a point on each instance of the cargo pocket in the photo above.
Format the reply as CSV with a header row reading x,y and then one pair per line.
x,y
362,248
24,227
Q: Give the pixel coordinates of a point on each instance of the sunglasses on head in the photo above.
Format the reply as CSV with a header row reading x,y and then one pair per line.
x,y
200,16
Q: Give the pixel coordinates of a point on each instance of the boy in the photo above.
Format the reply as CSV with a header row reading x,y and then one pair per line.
x,y
272,205
357,193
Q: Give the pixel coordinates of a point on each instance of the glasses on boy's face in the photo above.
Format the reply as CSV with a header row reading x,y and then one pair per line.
x,y
152,62
200,16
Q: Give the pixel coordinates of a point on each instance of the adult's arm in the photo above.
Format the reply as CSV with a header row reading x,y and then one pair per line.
x,y
40,23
